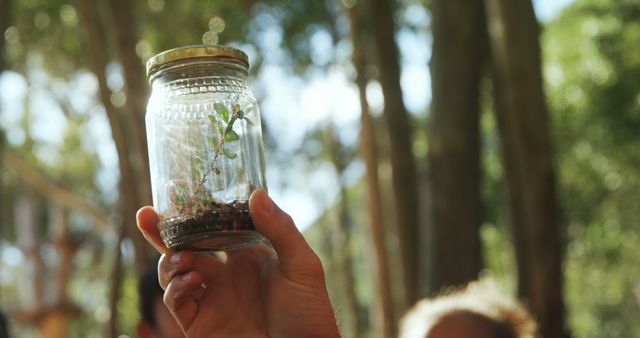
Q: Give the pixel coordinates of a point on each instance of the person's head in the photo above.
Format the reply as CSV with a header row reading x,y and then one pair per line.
x,y
155,319
478,311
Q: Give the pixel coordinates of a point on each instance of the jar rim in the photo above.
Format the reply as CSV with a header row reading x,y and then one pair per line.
x,y
194,51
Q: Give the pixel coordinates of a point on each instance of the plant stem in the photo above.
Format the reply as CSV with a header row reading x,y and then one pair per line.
x,y
218,150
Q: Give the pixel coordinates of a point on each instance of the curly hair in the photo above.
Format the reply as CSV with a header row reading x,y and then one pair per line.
x,y
481,302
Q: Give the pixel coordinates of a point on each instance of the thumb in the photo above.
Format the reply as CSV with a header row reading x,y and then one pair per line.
x,y
147,220
294,253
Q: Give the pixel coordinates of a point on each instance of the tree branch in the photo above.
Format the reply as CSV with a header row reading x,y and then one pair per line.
x,y
52,192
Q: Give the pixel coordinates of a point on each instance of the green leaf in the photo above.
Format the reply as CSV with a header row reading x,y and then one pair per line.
x,y
229,154
212,119
222,111
231,136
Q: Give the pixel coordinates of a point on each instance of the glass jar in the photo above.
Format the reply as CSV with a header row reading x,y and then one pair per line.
x,y
205,147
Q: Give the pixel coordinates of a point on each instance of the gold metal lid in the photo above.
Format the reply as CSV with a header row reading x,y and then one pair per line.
x,y
197,51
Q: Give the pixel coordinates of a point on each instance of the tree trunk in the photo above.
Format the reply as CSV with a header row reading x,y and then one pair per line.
x,y
5,12
115,285
342,233
128,191
459,45
49,318
400,131
129,196
123,22
344,243
524,128
383,315
55,319
65,249
26,211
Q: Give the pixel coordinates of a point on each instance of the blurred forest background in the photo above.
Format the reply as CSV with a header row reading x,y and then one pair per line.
x,y
420,144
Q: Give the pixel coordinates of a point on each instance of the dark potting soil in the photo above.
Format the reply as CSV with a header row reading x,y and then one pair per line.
x,y
221,220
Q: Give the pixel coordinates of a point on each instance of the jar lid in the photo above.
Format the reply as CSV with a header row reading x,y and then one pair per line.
x,y
197,51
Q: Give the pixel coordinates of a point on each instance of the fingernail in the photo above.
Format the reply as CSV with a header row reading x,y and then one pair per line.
x,y
175,258
185,277
266,204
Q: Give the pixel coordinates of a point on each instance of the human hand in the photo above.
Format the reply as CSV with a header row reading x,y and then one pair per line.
x,y
255,292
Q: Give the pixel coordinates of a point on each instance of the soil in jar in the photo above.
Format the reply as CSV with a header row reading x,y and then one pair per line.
x,y
218,226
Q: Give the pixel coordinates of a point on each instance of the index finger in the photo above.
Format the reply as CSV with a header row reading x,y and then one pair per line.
x,y
147,220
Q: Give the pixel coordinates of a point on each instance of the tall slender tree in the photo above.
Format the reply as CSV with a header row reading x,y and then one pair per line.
x,y
459,48
5,9
98,55
524,129
128,191
26,208
340,156
400,133
123,22
47,309
382,314
62,311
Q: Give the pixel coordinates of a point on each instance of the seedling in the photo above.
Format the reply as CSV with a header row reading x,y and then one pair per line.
x,y
196,207
187,202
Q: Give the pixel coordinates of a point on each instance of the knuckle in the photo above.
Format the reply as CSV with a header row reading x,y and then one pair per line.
x,y
314,266
164,272
287,219
168,299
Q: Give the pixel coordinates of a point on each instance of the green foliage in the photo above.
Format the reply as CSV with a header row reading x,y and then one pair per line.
x,y
46,27
498,255
592,68
156,16
602,260
128,307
